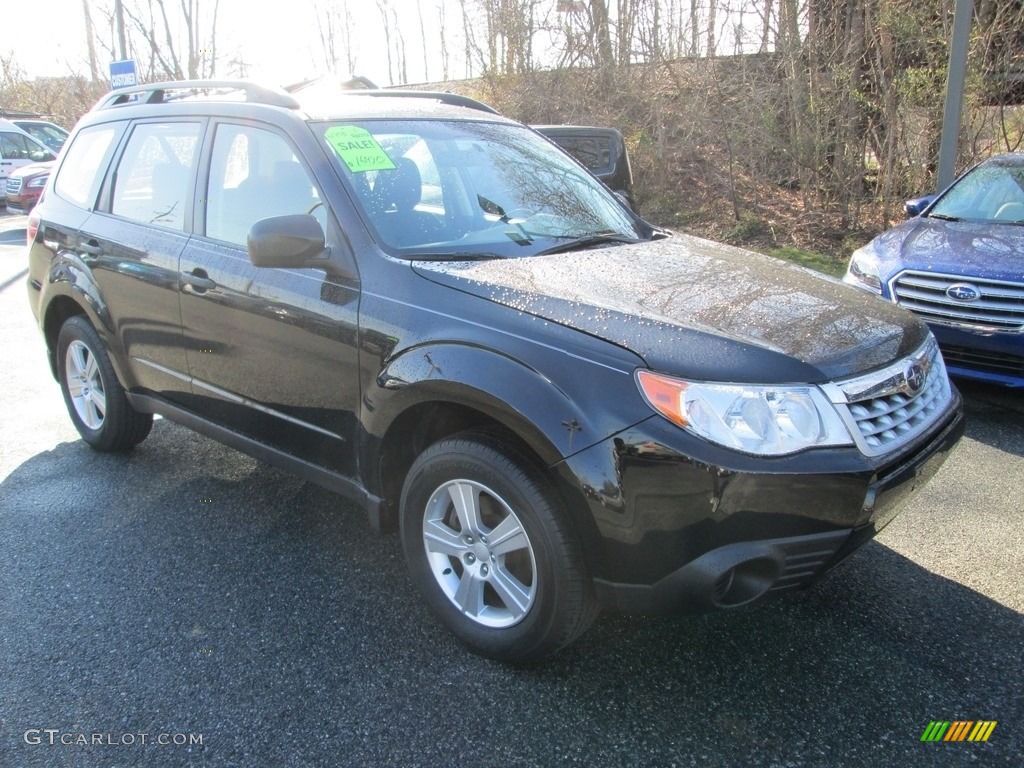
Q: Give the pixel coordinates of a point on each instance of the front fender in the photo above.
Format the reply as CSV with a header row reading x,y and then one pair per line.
x,y
552,407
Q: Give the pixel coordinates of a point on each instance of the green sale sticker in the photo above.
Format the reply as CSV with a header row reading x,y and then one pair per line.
x,y
358,149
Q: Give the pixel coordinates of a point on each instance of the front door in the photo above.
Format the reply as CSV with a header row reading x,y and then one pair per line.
x,y
272,352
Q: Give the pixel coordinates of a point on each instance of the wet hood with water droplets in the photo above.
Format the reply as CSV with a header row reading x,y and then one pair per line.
x,y
699,309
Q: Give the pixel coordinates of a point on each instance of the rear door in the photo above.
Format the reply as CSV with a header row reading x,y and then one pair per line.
x,y
133,243
272,352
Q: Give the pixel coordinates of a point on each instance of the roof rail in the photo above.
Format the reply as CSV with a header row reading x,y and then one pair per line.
x,y
454,99
156,93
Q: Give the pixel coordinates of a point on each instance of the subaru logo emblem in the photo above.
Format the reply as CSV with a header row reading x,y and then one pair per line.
x,y
914,376
963,292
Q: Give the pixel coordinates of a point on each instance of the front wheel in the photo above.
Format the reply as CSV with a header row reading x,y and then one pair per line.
x,y
94,397
489,546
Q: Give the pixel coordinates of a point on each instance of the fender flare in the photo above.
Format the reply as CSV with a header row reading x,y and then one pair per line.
x,y
508,390
69,278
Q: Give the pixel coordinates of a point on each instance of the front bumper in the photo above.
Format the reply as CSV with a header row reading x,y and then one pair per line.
x,y
993,357
21,203
675,533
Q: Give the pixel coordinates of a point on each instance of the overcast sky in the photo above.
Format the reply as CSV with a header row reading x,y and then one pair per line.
x,y
281,46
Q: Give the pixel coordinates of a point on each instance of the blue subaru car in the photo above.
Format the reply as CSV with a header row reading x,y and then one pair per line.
x,y
958,263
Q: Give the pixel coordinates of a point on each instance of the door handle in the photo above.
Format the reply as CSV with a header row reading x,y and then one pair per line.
x,y
198,279
91,247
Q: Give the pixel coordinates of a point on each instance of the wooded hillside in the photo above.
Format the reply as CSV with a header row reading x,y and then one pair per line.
x,y
769,122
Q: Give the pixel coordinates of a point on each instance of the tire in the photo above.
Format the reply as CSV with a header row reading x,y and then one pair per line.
x,y
489,546
94,397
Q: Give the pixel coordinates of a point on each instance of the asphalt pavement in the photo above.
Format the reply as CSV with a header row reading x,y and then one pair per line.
x,y
186,605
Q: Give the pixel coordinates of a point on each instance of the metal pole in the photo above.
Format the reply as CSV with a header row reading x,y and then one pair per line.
x,y
119,19
962,17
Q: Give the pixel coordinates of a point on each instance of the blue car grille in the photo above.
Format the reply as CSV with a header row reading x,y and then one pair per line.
x,y
998,305
889,408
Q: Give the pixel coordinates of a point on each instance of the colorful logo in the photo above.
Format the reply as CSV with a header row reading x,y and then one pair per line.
x,y
958,730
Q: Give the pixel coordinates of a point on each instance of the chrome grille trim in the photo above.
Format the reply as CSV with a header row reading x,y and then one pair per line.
x,y
13,186
884,410
1000,307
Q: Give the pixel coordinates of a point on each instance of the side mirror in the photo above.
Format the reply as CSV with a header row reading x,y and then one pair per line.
x,y
287,241
916,206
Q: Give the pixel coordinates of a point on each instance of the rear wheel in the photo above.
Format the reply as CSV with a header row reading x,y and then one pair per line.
x,y
489,546
94,397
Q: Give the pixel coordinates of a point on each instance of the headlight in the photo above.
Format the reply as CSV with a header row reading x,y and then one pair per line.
x,y
40,182
863,270
763,420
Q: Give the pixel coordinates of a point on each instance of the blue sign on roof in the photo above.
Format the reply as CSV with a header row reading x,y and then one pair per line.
x,y
122,74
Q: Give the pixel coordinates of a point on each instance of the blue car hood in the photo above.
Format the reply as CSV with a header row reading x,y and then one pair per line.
x,y
993,251
699,309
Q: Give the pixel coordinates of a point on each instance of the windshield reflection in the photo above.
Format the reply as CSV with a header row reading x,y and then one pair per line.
x,y
993,192
455,190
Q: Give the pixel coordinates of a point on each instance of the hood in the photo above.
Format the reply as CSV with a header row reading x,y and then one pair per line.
x,y
989,250
700,309
31,170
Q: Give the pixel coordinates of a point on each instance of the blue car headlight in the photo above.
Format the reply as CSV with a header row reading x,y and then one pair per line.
x,y
863,270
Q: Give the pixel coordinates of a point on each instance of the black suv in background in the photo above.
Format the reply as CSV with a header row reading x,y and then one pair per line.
x,y
434,311
601,150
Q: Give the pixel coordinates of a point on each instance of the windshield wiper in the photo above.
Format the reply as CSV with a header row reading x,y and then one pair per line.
x,y
459,256
586,241
943,217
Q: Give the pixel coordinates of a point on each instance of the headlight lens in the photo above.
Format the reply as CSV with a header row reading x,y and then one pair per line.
x,y
39,182
762,420
863,270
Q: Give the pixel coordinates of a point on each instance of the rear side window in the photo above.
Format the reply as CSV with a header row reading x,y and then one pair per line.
x,y
154,174
82,170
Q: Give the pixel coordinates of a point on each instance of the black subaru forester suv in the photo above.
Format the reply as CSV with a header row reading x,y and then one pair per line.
x,y
434,311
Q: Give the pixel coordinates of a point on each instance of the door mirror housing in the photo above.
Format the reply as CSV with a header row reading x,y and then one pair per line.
x,y
916,206
292,241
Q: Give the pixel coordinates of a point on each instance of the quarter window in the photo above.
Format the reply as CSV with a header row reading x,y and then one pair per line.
x,y
254,174
154,174
81,172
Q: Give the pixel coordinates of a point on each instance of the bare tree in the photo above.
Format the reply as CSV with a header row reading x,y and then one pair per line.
x,y
90,38
170,41
334,28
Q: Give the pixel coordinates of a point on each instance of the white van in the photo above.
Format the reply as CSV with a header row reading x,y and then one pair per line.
x,y
17,148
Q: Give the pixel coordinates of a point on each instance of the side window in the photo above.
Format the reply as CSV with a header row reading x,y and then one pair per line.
x,y
593,152
254,175
154,172
13,146
82,170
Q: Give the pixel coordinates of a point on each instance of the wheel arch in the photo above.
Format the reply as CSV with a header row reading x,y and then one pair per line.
x,y
70,291
413,404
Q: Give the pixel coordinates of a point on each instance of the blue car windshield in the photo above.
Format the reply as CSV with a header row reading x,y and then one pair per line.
x,y
989,193
466,189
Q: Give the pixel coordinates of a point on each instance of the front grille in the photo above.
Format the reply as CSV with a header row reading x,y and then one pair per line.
x,y
983,360
13,186
889,408
999,306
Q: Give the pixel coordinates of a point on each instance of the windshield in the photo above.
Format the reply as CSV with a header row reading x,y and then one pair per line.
x,y
435,189
989,193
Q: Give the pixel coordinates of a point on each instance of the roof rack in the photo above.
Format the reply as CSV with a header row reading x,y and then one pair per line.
x,y
156,93
358,85
453,99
